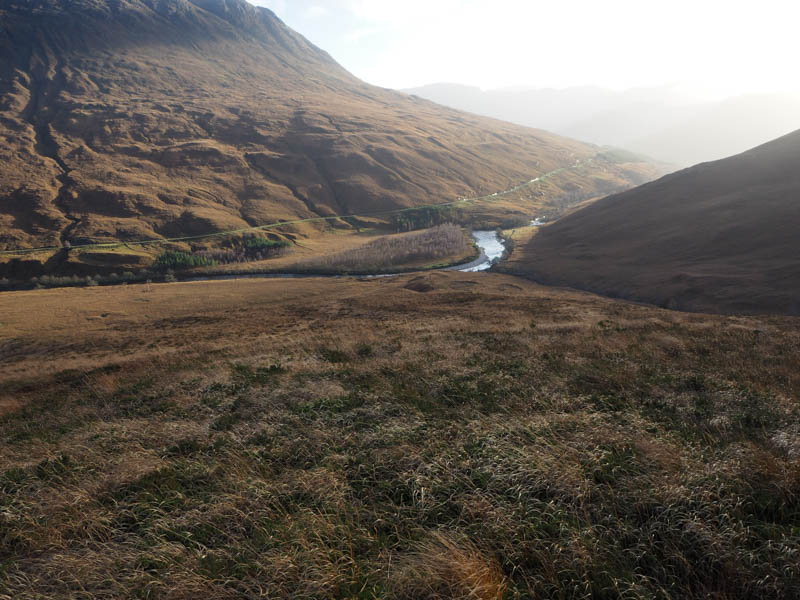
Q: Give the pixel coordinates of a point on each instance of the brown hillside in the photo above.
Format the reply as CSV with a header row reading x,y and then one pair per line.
x,y
721,236
142,119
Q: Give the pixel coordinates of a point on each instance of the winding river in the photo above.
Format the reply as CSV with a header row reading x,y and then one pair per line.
x,y
491,247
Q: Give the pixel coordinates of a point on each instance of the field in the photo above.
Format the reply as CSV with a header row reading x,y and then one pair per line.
x,y
439,244
441,436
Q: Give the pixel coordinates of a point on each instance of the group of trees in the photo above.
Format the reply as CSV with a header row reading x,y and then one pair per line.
x,y
172,259
241,249
57,281
424,218
238,250
247,249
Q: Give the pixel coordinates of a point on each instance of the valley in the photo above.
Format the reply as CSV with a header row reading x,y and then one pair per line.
x,y
267,129
270,331
499,209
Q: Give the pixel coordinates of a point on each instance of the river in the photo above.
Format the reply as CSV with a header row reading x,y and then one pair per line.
x,y
491,247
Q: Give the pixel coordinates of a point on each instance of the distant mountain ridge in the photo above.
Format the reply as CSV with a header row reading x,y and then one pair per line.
x,y
718,237
661,122
143,119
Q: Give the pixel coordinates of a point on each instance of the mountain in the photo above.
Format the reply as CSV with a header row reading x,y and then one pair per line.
x,y
718,237
666,123
143,119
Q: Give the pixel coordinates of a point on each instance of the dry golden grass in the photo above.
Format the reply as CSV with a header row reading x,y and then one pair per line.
x,y
447,567
443,244
310,242
334,438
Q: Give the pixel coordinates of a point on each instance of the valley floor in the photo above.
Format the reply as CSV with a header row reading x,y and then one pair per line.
x,y
447,435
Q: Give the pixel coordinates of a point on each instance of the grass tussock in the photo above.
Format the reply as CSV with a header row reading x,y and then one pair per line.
x,y
357,439
446,241
447,567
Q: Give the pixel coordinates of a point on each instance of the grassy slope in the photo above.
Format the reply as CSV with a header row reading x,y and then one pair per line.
x,y
719,237
358,439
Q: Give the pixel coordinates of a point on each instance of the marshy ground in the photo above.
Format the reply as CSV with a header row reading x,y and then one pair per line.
x,y
437,436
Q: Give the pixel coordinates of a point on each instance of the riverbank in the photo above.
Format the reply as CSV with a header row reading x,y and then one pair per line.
x,y
489,249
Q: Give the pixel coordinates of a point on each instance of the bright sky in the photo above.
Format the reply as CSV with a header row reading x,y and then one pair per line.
x,y
722,46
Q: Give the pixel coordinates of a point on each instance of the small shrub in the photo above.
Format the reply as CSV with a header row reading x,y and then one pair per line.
x,y
246,375
364,351
333,355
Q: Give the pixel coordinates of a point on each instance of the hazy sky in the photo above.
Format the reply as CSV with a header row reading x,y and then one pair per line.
x,y
723,46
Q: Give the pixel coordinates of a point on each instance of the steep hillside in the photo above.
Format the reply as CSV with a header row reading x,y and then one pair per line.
x,y
141,119
719,237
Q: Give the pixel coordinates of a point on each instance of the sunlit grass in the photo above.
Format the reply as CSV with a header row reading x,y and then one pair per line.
x,y
363,440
